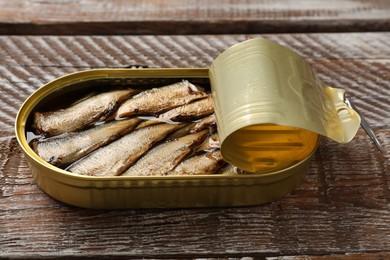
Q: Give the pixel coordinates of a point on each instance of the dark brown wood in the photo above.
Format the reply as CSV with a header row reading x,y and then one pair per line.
x,y
191,17
341,210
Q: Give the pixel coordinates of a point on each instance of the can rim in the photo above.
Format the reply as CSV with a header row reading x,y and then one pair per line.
x,y
66,80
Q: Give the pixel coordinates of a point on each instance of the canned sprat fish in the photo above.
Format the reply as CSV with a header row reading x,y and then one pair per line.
x,y
164,153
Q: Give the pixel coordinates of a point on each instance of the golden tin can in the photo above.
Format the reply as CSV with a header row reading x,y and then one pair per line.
x,y
271,110
148,191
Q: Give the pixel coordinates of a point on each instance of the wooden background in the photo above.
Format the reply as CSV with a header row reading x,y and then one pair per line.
x,y
93,17
342,210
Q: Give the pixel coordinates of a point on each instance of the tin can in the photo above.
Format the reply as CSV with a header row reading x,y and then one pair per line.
x,y
148,191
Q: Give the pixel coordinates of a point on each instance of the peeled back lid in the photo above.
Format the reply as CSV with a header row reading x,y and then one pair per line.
x,y
261,83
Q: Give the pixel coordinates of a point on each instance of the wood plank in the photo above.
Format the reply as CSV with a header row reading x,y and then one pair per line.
x,y
94,17
352,256
342,208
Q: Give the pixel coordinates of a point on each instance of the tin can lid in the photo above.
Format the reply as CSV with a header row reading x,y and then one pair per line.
x,y
259,82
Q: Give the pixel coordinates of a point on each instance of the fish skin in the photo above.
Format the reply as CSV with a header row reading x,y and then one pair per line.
x,y
209,144
206,163
157,100
194,110
114,158
81,114
164,157
229,169
206,122
64,150
147,123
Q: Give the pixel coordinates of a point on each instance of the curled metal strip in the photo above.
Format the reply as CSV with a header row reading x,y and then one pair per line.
x,y
364,124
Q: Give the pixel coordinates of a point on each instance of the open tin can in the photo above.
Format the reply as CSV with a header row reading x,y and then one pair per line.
x,y
207,190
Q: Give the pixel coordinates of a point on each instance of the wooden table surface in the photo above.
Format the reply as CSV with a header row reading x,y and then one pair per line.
x,y
342,209
94,17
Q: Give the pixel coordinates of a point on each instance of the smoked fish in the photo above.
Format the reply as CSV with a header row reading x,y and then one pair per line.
x,y
209,144
157,100
113,159
206,163
164,157
70,147
204,123
191,111
82,114
229,169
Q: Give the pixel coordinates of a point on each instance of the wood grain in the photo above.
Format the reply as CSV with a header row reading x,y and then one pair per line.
x,y
341,210
93,17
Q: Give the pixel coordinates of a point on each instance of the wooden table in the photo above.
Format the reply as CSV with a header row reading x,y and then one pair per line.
x,y
97,17
342,210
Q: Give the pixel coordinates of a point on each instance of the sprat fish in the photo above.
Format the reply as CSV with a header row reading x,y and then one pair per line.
x,y
113,159
204,123
157,100
209,144
206,163
81,114
164,157
191,111
68,148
